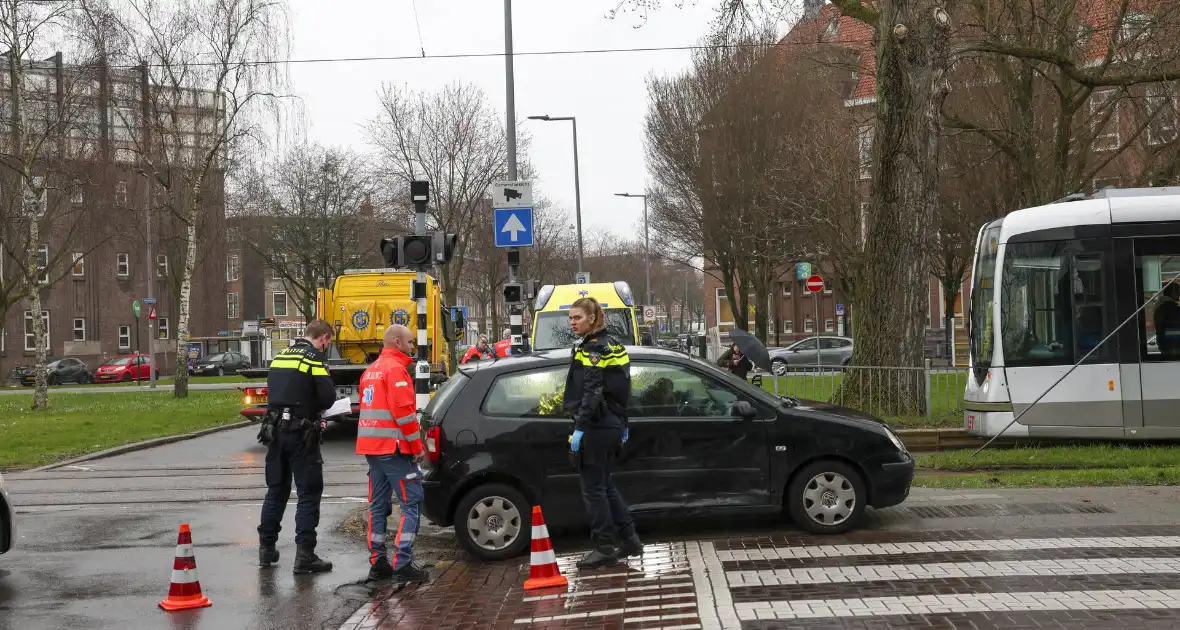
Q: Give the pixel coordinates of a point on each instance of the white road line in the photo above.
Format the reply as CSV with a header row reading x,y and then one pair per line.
x,y
950,570
961,603
607,613
713,599
949,546
604,591
662,618
664,574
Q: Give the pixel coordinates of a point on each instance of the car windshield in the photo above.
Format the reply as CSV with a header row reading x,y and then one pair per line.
x,y
553,329
52,364
119,361
217,358
734,381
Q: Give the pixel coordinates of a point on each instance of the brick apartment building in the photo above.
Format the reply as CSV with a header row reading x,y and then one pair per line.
x,y
88,306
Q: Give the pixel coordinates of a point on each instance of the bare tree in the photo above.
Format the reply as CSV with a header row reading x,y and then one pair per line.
x,y
309,216
205,84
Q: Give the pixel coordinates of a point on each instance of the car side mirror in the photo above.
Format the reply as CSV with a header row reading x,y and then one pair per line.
x,y
744,410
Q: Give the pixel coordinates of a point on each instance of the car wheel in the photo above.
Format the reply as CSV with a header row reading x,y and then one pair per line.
x,y
221,371
778,367
826,497
51,380
126,377
493,522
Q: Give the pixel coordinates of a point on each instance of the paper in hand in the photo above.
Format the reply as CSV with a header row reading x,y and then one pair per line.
x,y
342,406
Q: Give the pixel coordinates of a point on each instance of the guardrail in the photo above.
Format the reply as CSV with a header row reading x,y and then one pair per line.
x,y
925,396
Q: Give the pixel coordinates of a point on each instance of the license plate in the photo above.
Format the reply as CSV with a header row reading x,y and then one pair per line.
x,y
344,390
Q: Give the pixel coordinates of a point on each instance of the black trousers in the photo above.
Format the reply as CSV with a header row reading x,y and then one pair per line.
x,y
610,519
290,457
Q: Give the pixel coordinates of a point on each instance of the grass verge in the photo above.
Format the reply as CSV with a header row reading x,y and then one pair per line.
x,y
1138,476
1090,456
946,394
86,423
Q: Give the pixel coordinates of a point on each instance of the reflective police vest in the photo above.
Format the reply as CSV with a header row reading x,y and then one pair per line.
x,y
388,408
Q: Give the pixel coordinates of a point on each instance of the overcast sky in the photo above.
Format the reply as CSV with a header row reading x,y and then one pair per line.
x,y
605,91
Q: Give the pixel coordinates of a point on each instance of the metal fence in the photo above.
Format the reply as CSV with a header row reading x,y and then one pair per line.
x,y
926,396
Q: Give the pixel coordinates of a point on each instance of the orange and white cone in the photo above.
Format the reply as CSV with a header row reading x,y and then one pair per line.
x,y
543,570
185,592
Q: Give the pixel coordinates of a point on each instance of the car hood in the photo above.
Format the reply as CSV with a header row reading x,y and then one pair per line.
x,y
843,413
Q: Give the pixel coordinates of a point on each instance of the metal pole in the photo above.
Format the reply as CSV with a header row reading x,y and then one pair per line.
x,y
646,248
422,369
151,272
815,325
577,193
515,313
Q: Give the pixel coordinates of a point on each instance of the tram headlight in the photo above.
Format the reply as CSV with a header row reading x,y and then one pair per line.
x,y
987,381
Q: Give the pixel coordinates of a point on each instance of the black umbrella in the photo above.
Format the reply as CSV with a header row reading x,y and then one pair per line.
x,y
751,347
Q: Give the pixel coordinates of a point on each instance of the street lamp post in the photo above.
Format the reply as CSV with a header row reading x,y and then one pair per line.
x,y
646,243
577,183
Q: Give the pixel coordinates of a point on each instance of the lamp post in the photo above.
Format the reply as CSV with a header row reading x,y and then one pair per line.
x,y
577,183
646,243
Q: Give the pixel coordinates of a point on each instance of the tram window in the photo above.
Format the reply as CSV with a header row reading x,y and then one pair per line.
x,y
1159,323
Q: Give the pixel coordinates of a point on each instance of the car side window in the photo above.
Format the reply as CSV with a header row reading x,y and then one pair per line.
x,y
537,393
806,344
830,344
671,391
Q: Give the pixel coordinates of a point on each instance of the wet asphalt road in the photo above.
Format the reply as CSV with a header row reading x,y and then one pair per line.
x,y
96,541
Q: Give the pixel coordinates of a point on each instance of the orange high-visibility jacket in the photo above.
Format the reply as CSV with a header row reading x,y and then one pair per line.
x,y
503,348
388,410
474,353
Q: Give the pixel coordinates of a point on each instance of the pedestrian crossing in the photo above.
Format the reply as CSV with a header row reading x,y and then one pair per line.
x,y
1114,575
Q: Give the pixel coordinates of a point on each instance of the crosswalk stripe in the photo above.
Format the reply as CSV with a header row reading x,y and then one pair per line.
x,y
949,546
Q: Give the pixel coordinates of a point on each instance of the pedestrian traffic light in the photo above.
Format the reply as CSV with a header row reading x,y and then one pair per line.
x,y
443,247
512,293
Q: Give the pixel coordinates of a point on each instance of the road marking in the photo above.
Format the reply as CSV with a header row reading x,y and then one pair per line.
x,y
952,570
604,591
950,546
82,468
608,613
961,603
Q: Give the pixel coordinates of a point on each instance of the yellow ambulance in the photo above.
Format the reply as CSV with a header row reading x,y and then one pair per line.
x,y
551,328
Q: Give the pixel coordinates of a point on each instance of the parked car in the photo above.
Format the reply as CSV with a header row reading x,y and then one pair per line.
x,y
833,351
129,367
220,364
59,371
701,440
7,520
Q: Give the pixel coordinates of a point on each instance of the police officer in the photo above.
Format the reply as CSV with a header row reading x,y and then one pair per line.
x,y
389,437
596,392
299,389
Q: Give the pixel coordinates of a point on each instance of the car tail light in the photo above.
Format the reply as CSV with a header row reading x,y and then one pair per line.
x,y
254,396
434,444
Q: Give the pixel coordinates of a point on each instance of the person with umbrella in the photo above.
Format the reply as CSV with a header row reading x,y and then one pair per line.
x,y
736,362
745,353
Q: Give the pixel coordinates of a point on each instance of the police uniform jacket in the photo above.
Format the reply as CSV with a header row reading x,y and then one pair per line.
x,y
599,381
298,380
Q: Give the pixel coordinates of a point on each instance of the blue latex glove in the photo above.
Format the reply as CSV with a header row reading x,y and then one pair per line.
x,y
626,434
576,441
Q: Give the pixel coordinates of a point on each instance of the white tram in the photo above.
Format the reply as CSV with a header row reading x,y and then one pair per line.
x,y
1048,285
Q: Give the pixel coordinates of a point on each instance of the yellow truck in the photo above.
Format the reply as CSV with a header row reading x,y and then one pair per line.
x,y
551,328
361,306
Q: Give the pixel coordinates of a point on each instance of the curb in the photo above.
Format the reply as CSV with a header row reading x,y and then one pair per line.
x,y
139,446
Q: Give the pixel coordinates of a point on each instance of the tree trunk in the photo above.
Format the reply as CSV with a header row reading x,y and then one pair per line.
x,y
180,379
890,319
41,386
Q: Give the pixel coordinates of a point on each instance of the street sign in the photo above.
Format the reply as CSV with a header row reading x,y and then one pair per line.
x,y
135,308
512,194
583,277
839,309
649,314
815,283
802,271
514,227
148,300
151,311
455,310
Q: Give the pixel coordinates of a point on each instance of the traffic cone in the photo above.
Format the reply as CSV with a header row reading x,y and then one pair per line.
x,y
185,592
543,571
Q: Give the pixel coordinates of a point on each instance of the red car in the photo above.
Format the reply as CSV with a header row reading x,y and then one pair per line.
x,y
130,367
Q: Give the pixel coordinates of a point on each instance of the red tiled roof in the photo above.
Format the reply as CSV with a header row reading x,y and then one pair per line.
x,y
850,33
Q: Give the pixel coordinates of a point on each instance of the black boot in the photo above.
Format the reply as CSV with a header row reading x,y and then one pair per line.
x,y
411,574
267,555
380,570
602,556
631,546
307,562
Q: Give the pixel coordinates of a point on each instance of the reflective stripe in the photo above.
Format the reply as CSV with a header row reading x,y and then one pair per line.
x,y
407,538
318,371
410,437
284,363
404,420
377,538
539,532
303,367
543,557
379,432
604,362
376,414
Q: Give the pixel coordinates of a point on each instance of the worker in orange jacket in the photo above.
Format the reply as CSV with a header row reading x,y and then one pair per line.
x,y
389,437
504,346
480,351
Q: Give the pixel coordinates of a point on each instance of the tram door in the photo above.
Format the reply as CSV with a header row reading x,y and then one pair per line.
x,y
1157,260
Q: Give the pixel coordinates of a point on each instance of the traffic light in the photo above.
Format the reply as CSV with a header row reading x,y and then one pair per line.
x,y
443,247
402,252
512,293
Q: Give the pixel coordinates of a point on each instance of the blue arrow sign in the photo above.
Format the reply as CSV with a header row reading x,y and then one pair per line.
x,y
513,227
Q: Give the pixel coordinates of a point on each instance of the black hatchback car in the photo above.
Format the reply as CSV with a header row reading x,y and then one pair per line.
x,y
701,441
59,371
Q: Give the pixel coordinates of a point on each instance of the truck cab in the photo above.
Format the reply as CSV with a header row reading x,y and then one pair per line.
x,y
551,327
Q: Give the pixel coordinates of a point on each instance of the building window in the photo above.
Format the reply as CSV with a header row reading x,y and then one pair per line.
x,y
865,142
163,324
1104,119
808,325
833,26
121,194
1136,26
233,235
30,337
79,329
232,305
162,265
233,268
788,326
276,272
76,194
829,324
1161,101
279,299
43,263
786,289
124,337
122,265
79,264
